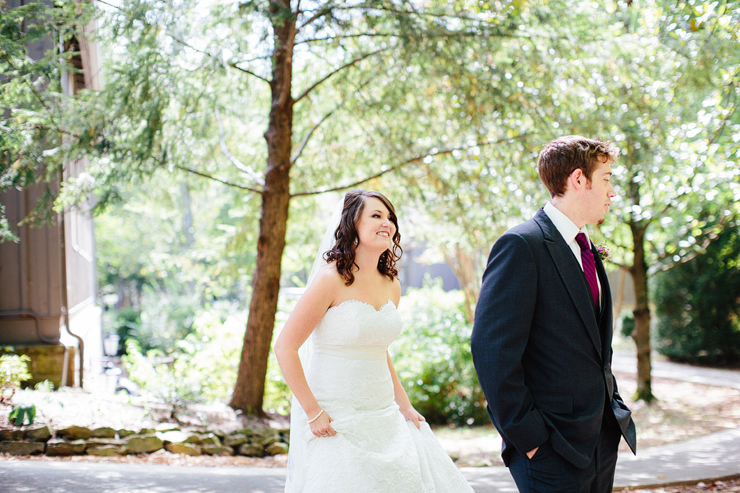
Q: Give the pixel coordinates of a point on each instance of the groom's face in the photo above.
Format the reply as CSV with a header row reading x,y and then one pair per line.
x,y
599,193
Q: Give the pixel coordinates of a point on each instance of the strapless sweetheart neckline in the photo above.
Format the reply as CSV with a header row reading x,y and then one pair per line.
x,y
353,300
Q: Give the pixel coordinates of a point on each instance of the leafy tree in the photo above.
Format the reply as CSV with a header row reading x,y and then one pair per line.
x,y
31,90
192,88
452,97
661,80
671,107
671,216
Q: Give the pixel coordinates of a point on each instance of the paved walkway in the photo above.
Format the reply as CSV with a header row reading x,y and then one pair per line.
x,y
709,457
627,362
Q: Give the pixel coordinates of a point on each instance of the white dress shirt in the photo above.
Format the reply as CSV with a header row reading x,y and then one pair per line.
x,y
568,230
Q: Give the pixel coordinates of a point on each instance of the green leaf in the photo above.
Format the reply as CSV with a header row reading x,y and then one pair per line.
x,y
23,414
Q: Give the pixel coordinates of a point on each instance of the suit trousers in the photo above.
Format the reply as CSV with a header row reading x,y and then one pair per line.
x,y
548,472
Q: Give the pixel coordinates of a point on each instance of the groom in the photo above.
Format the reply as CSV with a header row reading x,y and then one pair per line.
x,y
542,337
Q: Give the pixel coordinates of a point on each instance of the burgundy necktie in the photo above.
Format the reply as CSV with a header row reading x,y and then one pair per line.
x,y
589,266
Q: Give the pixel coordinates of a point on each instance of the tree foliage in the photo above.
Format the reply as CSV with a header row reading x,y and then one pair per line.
x,y
32,127
443,104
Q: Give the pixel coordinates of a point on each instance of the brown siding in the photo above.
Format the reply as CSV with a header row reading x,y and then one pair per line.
x,y
31,274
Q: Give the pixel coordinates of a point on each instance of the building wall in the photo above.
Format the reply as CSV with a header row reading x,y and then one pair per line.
x,y
49,277
30,275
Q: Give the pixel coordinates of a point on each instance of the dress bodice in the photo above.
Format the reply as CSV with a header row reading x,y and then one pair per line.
x,y
355,329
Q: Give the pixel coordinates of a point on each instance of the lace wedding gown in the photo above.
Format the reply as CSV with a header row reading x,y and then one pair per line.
x,y
375,449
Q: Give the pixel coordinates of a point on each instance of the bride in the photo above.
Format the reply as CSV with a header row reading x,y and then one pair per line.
x,y
354,429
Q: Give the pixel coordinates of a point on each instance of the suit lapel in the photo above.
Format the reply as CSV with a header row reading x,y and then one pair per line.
x,y
572,276
605,315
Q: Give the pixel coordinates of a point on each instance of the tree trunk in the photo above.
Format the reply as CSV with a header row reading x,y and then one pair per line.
x,y
250,382
641,333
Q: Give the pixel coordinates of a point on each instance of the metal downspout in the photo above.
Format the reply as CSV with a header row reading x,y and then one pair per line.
x,y
65,310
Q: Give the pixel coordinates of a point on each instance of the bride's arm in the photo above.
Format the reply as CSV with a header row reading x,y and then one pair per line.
x,y
308,312
402,399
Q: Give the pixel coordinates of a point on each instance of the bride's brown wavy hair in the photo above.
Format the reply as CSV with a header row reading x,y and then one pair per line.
x,y
343,251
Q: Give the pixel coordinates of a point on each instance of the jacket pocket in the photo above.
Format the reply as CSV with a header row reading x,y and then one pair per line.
x,y
553,402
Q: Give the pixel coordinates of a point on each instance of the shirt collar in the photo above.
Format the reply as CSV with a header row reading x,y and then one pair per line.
x,y
567,228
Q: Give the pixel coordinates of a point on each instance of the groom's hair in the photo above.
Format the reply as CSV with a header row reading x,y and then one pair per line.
x,y
564,155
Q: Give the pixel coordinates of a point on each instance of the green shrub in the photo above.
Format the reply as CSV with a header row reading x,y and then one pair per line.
x,y
200,368
698,305
13,371
166,318
126,323
161,378
433,360
626,323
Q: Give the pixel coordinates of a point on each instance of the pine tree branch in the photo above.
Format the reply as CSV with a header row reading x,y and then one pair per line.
x,y
185,43
239,165
210,177
307,137
412,160
709,237
364,6
333,73
236,66
445,34
317,13
32,89
347,36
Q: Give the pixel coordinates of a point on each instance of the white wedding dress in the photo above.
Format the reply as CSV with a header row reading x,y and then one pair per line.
x,y
375,449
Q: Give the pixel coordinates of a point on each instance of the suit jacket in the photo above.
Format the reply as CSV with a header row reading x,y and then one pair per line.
x,y
542,353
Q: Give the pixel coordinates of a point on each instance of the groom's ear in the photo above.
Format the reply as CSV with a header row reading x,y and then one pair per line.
x,y
576,180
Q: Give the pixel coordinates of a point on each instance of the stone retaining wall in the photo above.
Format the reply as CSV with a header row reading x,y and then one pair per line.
x,y
77,440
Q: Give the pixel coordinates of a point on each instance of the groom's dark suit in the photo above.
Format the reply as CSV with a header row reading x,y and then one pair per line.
x,y
543,351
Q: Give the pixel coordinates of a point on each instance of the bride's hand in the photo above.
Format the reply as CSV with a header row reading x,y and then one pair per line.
x,y
412,415
322,426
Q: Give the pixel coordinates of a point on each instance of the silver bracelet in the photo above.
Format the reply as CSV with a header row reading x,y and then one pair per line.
x,y
316,417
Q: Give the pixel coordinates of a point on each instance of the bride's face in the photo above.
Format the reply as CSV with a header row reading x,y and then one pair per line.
x,y
375,228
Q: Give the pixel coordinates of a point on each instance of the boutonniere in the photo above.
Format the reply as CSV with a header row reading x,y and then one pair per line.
x,y
604,252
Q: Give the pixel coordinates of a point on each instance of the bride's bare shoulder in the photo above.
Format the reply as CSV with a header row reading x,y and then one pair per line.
x,y
328,277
